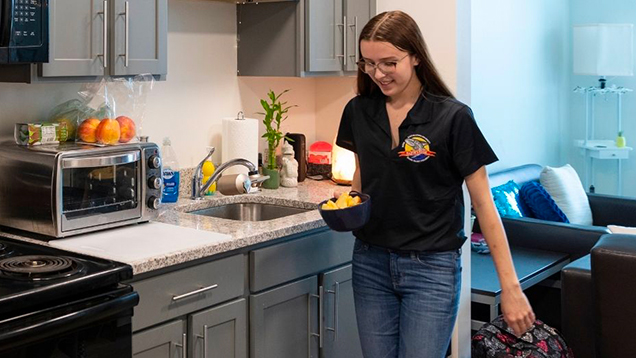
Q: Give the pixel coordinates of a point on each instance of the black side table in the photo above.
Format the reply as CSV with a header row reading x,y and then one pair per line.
x,y
532,266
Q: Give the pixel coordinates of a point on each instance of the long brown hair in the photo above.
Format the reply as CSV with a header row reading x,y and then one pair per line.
x,y
401,31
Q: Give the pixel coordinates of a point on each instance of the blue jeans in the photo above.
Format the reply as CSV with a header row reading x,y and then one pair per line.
x,y
406,302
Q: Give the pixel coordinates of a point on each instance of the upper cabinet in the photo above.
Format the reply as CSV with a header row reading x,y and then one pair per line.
x,y
301,38
109,37
116,37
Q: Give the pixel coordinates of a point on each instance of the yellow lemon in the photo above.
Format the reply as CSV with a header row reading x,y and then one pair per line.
x,y
208,168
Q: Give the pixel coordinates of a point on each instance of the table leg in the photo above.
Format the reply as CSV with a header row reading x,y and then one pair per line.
x,y
494,311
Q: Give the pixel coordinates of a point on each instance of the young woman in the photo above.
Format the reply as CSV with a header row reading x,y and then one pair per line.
x,y
415,145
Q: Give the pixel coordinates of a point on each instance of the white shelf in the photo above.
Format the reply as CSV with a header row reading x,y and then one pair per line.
x,y
603,149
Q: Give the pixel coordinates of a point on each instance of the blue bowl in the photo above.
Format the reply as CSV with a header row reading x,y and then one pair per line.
x,y
348,219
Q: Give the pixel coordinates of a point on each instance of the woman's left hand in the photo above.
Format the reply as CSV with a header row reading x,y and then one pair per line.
x,y
516,310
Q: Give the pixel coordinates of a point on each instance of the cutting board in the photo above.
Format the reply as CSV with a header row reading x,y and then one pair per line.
x,y
139,242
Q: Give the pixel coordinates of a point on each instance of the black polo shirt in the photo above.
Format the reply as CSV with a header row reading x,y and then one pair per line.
x,y
415,188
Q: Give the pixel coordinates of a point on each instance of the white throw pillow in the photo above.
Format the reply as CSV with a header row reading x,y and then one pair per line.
x,y
565,188
616,229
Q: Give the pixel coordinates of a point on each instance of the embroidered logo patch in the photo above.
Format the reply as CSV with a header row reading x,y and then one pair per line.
x,y
416,148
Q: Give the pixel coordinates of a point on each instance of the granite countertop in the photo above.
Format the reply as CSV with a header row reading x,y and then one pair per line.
x,y
238,234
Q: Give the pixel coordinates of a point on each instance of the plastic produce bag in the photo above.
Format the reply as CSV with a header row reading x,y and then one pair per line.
x,y
71,113
118,106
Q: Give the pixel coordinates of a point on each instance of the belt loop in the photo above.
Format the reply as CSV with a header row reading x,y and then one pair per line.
x,y
413,255
459,251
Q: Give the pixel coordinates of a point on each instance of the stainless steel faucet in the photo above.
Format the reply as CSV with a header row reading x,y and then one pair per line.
x,y
199,189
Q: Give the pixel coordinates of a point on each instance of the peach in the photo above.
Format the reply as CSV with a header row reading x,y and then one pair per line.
x,y
87,129
108,131
127,129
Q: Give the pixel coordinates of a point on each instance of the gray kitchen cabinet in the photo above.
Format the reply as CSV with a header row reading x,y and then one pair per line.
x,y
340,328
300,305
140,30
219,332
303,38
77,38
97,38
284,321
165,341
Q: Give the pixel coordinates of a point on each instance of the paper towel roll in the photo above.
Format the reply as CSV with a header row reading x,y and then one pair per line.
x,y
240,140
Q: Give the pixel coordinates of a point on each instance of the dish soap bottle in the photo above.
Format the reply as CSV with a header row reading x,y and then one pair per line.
x,y
620,140
170,173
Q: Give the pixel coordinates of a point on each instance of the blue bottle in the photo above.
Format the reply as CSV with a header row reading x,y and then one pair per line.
x,y
170,173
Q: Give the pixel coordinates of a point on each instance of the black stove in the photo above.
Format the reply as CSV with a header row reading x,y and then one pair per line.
x,y
55,303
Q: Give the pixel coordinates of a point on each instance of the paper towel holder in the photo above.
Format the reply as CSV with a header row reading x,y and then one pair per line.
x,y
240,116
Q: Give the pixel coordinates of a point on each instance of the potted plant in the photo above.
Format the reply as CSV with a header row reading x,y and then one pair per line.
x,y
275,113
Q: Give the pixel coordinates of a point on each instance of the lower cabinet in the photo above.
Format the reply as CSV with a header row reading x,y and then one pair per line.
x,y
219,331
216,332
299,304
165,341
312,317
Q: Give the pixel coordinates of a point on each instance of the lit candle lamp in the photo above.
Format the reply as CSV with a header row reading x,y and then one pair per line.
x,y
343,165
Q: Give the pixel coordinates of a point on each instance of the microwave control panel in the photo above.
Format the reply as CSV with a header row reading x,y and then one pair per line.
x,y
153,178
27,23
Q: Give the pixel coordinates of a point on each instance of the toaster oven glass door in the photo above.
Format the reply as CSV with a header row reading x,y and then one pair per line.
x,y
100,190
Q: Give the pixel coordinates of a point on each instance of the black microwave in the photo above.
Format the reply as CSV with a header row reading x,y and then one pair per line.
x,y
24,31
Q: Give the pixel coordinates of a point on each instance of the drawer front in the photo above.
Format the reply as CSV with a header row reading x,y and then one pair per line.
x,y
610,154
291,260
181,292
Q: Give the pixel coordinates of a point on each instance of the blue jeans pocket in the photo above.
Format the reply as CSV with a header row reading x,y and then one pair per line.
x,y
444,261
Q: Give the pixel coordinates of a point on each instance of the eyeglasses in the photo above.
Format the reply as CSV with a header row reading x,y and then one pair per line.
x,y
386,67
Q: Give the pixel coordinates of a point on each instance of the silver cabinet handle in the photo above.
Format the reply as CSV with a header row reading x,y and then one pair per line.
x,y
355,40
344,43
310,333
104,54
336,294
205,340
183,345
126,30
195,292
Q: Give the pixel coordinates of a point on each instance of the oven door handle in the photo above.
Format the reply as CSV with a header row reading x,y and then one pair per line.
x,y
67,322
102,161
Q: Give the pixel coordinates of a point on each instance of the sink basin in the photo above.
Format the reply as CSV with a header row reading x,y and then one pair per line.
x,y
249,211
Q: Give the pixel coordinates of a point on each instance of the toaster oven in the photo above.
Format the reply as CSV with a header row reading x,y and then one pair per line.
x,y
70,189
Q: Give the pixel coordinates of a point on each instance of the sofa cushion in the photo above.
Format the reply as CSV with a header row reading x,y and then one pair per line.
x,y
507,201
565,188
540,203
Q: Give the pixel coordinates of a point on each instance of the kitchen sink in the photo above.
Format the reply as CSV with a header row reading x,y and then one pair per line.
x,y
249,211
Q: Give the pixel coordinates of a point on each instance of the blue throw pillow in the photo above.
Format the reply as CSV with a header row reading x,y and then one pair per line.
x,y
541,203
507,201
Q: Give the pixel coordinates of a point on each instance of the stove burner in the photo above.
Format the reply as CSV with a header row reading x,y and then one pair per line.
x,y
38,267
4,250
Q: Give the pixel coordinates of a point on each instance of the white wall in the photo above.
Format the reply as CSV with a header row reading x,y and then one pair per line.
x,y
201,86
605,171
519,78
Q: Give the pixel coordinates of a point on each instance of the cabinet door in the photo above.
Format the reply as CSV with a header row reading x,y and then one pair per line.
x,y
283,321
165,341
140,37
325,39
340,327
77,38
358,13
220,332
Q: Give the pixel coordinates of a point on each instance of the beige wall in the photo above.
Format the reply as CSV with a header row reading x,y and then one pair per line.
x,y
436,19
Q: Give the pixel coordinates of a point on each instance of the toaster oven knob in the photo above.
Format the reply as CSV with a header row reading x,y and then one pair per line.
x,y
154,202
154,182
154,162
